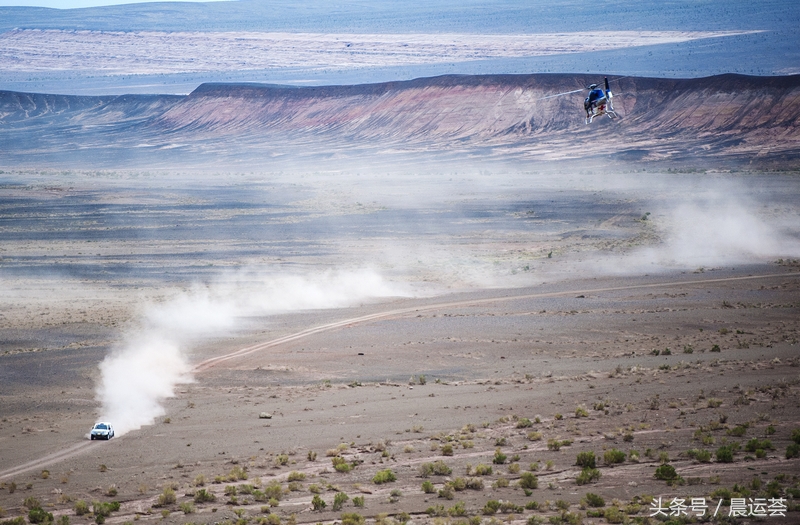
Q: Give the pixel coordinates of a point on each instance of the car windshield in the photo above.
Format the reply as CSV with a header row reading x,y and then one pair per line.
x,y
101,426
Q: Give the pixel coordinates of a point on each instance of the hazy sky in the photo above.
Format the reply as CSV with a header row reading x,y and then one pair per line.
x,y
71,4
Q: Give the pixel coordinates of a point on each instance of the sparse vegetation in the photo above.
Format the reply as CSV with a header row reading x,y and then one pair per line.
x,y
167,497
593,500
81,507
587,475
338,500
438,468
586,460
499,457
666,472
524,422
613,456
528,480
203,496
317,503
340,464
724,454
352,518
384,476
296,476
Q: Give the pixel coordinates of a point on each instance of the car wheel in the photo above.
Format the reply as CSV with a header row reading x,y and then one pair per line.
x,y
91,437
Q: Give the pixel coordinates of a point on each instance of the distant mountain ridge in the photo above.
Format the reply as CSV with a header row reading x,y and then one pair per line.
x,y
725,119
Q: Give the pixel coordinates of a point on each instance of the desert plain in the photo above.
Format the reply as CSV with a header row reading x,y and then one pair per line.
x,y
367,263
510,346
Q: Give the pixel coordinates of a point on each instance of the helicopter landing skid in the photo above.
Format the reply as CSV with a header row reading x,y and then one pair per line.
x,y
610,113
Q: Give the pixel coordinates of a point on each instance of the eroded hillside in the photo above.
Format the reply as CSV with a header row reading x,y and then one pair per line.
x,y
729,118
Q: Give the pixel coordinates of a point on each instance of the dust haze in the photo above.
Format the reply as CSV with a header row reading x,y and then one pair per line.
x,y
153,357
449,232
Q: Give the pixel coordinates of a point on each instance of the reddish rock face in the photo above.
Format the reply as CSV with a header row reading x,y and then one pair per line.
x,y
511,116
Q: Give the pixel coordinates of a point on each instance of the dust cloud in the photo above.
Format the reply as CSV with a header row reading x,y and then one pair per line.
x,y
713,224
154,356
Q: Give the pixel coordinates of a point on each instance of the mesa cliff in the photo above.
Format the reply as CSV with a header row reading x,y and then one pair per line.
x,y
727,119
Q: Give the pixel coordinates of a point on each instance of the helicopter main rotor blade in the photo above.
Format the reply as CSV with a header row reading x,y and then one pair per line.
x,y
561,94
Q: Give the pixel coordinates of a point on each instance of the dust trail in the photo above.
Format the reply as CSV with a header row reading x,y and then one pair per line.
x,y
145,367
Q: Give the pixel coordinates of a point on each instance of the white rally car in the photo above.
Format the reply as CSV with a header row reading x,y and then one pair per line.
x,y
101,430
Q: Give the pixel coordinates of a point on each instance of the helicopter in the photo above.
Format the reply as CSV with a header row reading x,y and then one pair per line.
x,y
598,103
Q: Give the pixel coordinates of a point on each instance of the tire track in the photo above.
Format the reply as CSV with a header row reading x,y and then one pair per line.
x,y
85,445
55,457
399,312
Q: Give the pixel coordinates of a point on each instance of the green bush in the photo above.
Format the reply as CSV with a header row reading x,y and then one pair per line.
x,y
81,508
339,499
666,472
352,518
528,480
586,460
358,501
318,503
483,470
457,510
446,492
203,496
524,422
475,483
738,431
613,456
499,457
341,465
491,507
703,456
458,484
384,476
296,476
273,490
508,507
593,500
428,488
756,444
793,451
796,435
39,515
587,475
32,503
167,497
724,454
614,515
438,468
103,510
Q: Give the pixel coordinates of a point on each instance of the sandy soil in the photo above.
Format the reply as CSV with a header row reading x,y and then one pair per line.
x,y
152,52
540,372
